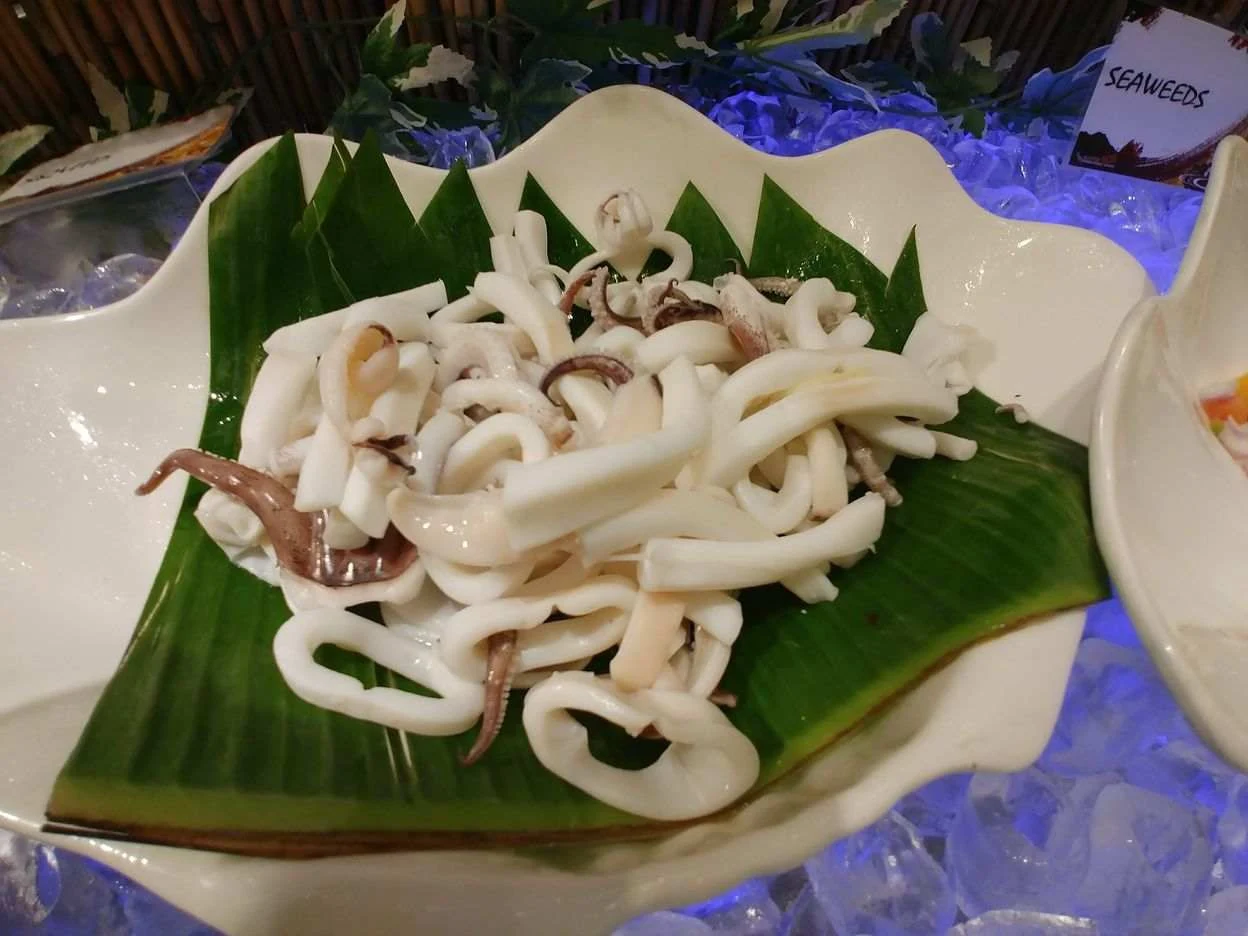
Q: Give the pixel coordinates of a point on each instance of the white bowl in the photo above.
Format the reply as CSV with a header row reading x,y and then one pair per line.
x,y
91,402
1171,507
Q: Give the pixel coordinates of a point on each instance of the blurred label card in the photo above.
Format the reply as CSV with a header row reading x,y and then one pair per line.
x,y
1172,87
119,162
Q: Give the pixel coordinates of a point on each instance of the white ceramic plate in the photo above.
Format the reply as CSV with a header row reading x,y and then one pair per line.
x,y
1171,507
90,402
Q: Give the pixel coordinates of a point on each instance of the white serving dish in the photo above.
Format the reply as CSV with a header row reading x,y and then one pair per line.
x,y
92,401
1171,507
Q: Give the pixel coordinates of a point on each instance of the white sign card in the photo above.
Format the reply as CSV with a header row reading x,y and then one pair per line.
x,y
118,161
1172,87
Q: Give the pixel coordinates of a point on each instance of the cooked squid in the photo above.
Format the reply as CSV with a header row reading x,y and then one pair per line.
x,y
521,501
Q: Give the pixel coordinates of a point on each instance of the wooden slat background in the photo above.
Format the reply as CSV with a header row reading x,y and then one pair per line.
x,y
281,47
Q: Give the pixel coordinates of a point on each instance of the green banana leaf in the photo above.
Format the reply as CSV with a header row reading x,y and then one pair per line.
x,y
715,251
196,739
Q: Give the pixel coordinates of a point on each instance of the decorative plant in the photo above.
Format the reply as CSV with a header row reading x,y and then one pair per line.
x,y
389,69
1056,100
124,109
780,44
565,49
17,143
962,82
136,106
959,80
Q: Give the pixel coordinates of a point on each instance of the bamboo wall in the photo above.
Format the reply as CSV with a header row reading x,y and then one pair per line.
x,y
282,48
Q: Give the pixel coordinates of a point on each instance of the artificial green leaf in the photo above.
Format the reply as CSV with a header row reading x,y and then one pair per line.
x,y
771,19
979,49
802,67
372,106
929,40
457,233
543,89
140,103
1058,99
789,57
428,65
160,105
145,105
888,77
449,115
963,85
974,120
547,14
979,52
856,26
17,143
695,220
626,42
745,23
384,54
110,102
955,77
197,740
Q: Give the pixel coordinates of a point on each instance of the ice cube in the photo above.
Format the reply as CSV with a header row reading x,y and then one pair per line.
x,y
443,148
759,119
806,917
36,303
1024,923
1227,913
747,910
882,882
1115,706
1010,201
43,890
1108,620
1149,864
1018,843
977,162
1186,771
1233,832
24,866
116,278
90,899
786,888
931,809
1218,879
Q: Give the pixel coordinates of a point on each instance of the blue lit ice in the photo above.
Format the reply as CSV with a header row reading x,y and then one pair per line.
x,y
1025,923
1227,912
883,882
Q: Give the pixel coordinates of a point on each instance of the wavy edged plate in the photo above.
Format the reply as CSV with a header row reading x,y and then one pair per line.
x,y
95,398
1171,507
